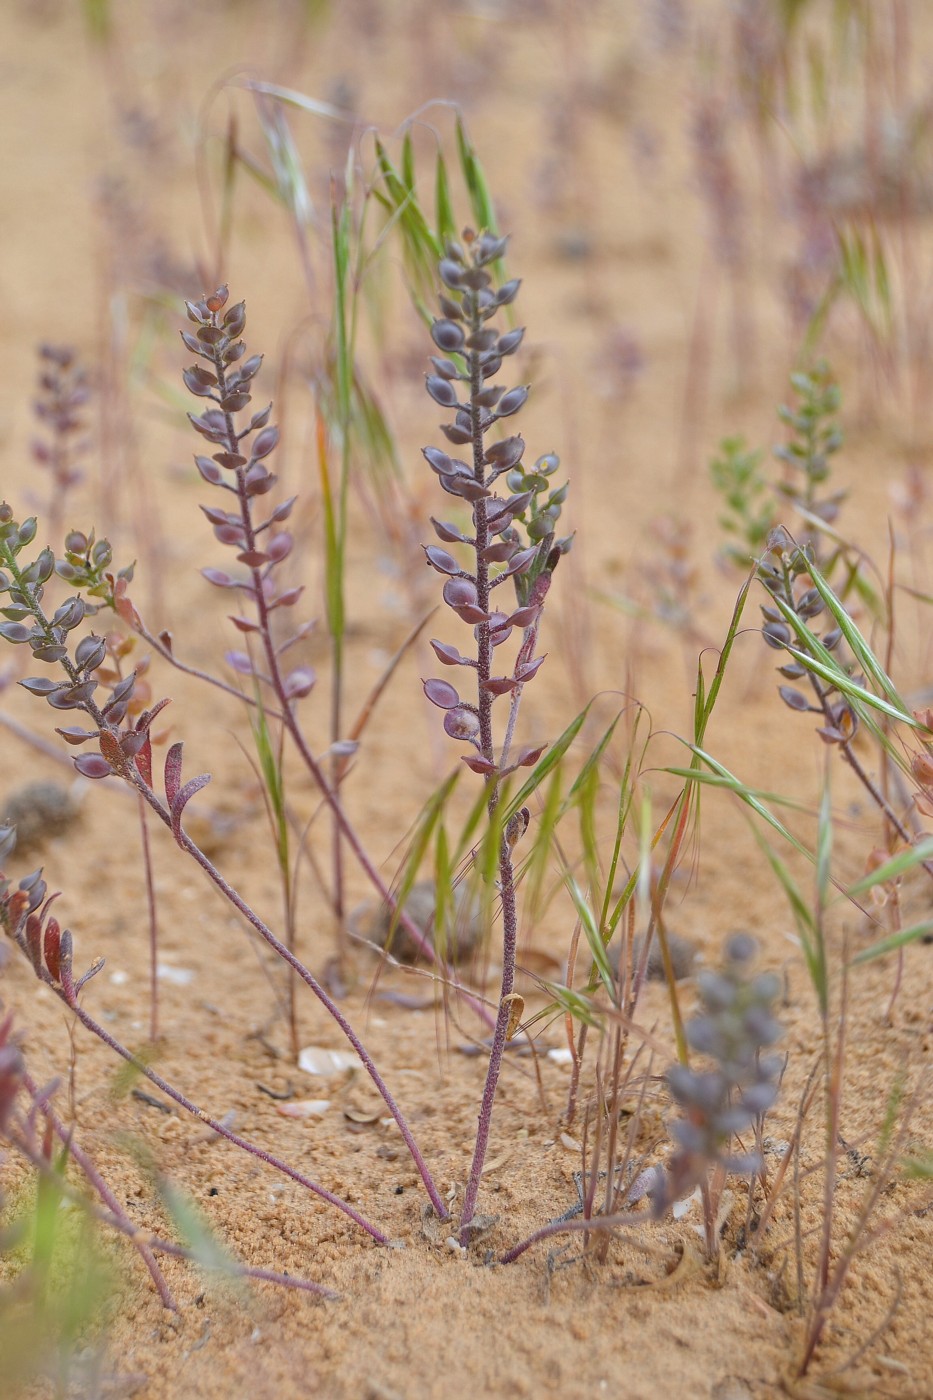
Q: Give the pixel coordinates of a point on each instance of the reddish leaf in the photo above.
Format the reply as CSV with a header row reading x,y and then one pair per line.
x,y
182,799
526,673
524,617
173,772
51,947
288,598
479,764
243,624
528,756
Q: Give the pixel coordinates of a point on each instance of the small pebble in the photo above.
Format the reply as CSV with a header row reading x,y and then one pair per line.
x,y
374,923
682,951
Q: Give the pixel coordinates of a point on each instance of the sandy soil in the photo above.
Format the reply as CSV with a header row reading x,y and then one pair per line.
x,y
645,348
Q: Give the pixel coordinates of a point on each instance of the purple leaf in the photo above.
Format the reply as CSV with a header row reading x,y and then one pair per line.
x,y
218,517
451,273
527,673
283,511
15,631
437,460
203,388
182,799
257,480
441,391
229,533
448,533
132,743
219,579
209,470
39,685
524,617
464,487
73,735
794,698
520,562
500,628
528,756
505,454
512,402
234,402
286,599
252,558
459,593
483,339
499,685
92,765
447,336
243,624
448,655
461,724
500,553
265,442
456,434
240,662
441,694
229,460
510,342
280,546
299,682
440,560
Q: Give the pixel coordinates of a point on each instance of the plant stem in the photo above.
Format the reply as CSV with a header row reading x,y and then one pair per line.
x,y
153,926
484,1122
306,976
216,1126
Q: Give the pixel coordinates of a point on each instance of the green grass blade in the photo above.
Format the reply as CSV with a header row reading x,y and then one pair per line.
x,y
544,765
896,940
445,218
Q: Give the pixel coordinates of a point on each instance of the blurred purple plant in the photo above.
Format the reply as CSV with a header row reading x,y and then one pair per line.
x,y
63,392
731,1096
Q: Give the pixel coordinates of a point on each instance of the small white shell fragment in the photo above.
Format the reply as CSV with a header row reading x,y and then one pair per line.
x,y
314,1059
570,1143
119,978
680,1208
303,1108
560,1055
178,976
455,1246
